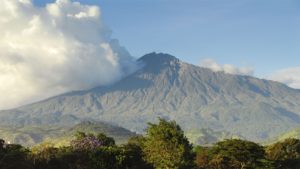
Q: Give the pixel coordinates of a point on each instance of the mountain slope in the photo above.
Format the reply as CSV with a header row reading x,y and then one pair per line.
x,y
193,96
295,133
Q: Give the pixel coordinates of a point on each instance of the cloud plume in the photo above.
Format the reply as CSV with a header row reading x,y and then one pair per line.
x,y
227,68
289,76
49,50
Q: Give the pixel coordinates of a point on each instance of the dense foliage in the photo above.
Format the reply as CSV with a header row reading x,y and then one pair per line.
x,y
285,154
163,147
235,154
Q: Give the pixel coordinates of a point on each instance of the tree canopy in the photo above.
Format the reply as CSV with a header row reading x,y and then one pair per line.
x,y
286,154
166,147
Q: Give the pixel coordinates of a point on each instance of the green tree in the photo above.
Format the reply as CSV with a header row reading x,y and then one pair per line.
x,y
286,154
166,147
202,157
134,154
2,142
239,154
44,155
14,156
106,141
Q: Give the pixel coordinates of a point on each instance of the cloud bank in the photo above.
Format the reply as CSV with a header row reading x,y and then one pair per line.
x,y
61,47
227,68
289,76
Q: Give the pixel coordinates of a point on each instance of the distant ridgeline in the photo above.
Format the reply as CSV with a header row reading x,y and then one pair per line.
x,y
209,106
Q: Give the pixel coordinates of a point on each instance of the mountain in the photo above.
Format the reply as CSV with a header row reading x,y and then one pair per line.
x,y
31,135
166,87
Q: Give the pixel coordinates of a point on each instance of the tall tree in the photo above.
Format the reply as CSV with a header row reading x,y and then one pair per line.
x,y
166,147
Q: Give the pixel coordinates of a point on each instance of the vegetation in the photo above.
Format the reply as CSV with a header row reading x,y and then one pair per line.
x,y
61,135
235,154
285,154
163,147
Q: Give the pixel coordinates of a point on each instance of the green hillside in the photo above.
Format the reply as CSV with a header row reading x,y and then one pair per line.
x,y
58,135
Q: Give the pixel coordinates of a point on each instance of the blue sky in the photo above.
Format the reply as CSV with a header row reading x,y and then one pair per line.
x,y
262,34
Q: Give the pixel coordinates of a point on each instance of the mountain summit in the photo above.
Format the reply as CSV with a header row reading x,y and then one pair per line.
x,y
166,87
152,59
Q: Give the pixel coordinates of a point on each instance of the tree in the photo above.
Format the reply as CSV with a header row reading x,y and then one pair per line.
x,y
286,154
166,147
134,154
85,142
106,141
2,142
44,156
14,156
202,157
238,154
2,152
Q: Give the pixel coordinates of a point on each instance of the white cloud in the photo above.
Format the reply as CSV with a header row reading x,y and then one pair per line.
x,y
61,47
289,76
227,68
